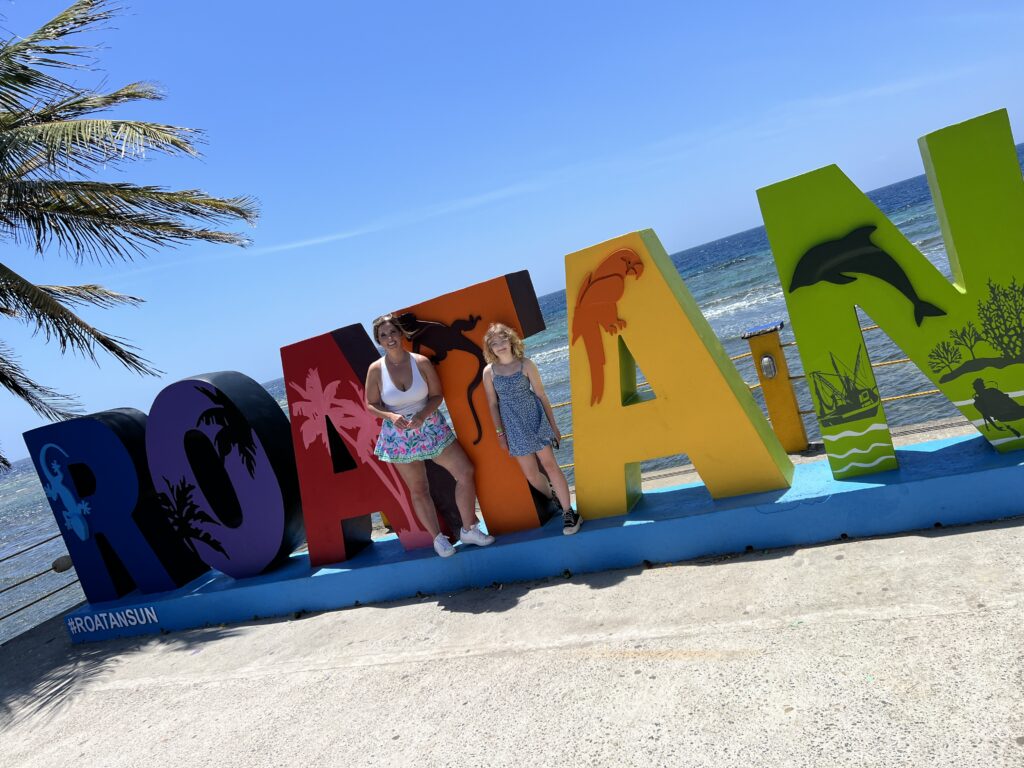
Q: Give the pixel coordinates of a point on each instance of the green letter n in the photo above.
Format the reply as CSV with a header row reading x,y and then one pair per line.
x,y
835,251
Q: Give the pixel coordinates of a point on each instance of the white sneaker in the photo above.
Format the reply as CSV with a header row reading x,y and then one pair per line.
x,y
442,546
475,536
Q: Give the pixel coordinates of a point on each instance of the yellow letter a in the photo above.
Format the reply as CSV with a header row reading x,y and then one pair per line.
x,y
626,300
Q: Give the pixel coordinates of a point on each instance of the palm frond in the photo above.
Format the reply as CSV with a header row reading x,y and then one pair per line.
x,y
95,295
207,538
56,136
212,417
104,222
51,318
51,140
183,514
79,103
84,102
234,431
76,18
84,145
21,79
43,400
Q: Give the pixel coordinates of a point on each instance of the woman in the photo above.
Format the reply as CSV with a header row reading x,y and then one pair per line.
x,y
404,390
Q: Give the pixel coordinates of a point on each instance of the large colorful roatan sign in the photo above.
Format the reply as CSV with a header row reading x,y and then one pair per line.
x,y
217,477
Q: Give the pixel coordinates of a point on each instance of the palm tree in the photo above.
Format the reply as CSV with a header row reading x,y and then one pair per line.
x,y
234,433
50,143
357,426
186,517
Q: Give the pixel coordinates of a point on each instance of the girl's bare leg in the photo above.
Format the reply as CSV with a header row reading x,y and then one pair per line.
x,y
455,460
533,474
555,474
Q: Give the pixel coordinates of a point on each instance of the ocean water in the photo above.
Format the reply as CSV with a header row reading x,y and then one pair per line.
x,y
26,520
733,281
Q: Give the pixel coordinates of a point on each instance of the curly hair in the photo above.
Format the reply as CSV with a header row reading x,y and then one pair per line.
x,y
502,330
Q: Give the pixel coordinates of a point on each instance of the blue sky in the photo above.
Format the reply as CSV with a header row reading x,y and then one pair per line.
x,y
400,150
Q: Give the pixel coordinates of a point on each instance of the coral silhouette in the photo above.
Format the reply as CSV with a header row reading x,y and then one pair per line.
x,y
967,337
1001,317
944,355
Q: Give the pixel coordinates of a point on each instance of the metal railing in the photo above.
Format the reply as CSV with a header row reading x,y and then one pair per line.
x,y
642,387
645,387
60,565
883,364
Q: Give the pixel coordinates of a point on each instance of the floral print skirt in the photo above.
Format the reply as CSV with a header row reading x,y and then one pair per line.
x,y
402,446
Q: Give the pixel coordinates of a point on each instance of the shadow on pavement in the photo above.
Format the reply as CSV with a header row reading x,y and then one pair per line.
x,y
42,670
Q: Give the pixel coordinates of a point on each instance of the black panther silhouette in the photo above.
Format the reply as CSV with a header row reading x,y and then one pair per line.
x,y
442,339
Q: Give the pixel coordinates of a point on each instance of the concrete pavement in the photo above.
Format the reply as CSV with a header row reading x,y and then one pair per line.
x,y
903,651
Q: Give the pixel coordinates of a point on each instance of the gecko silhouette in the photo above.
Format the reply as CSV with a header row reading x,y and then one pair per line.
x,y
596,309
442,339
74,510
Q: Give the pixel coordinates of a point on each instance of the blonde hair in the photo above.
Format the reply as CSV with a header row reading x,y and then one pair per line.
x,y
502,330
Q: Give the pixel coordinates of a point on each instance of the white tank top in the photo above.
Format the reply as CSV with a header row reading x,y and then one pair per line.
x,y
407,402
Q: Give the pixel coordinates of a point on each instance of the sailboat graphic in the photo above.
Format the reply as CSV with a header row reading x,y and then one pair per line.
x,y
844,395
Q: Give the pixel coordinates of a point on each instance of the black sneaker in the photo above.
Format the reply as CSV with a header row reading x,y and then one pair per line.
x,y
571,521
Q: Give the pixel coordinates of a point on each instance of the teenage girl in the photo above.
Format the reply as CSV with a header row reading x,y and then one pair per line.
x,y
523,417
404,390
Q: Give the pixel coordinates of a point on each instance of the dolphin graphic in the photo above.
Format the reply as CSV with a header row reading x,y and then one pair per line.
x,y
831,261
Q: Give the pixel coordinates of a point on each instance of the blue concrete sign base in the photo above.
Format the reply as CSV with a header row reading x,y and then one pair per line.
x,y
949,482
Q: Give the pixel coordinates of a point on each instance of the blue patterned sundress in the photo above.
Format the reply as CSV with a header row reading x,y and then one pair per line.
x,y
522,416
